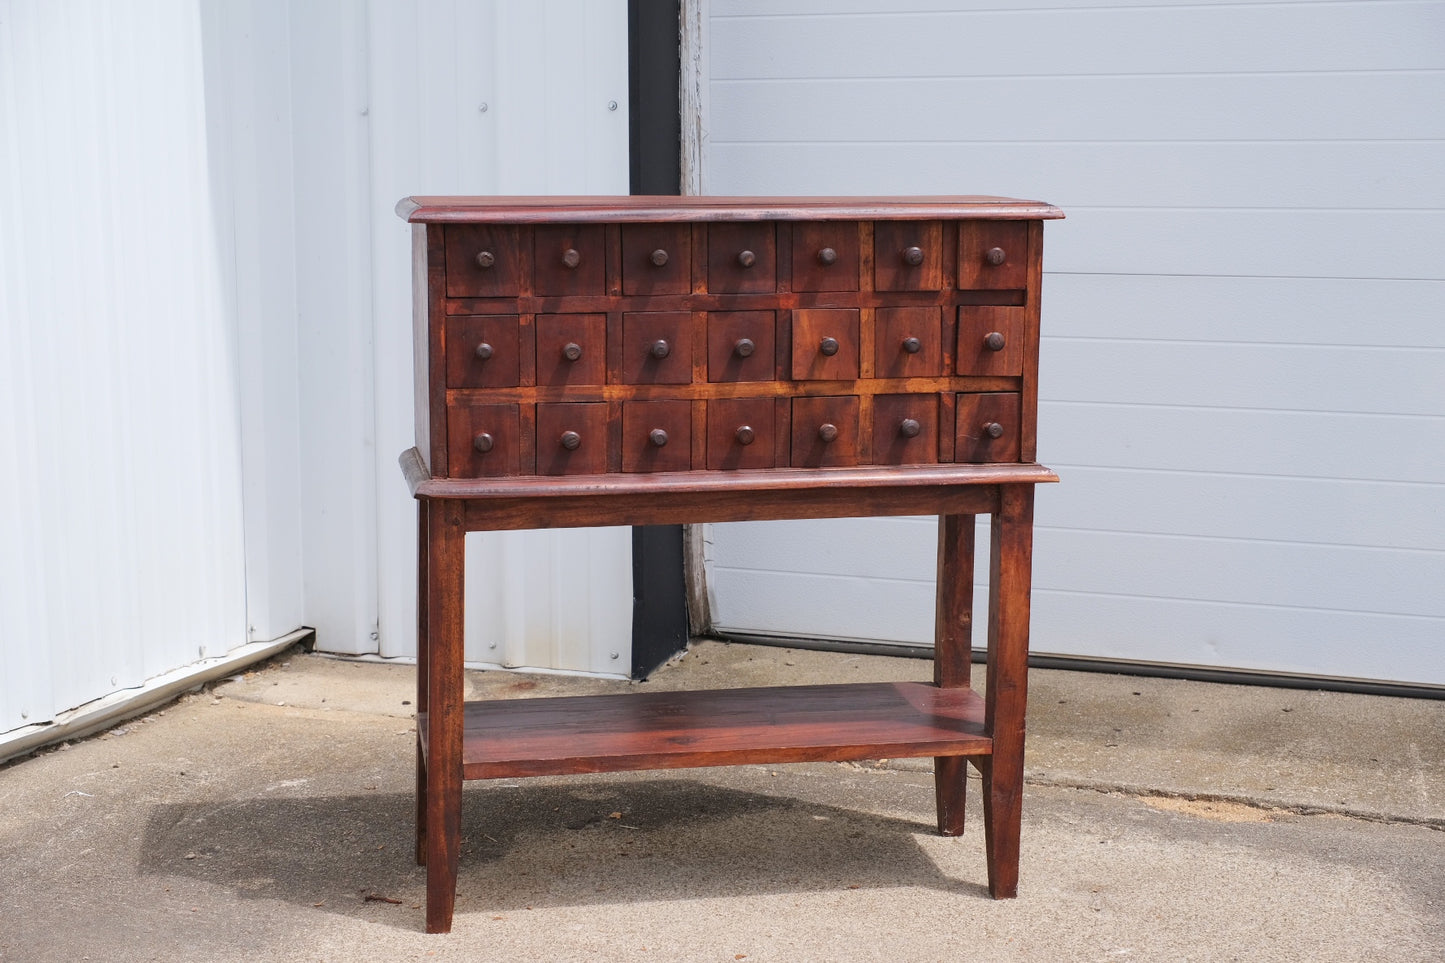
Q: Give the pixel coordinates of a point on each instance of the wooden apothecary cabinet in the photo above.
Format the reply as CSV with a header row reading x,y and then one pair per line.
x,y
656,360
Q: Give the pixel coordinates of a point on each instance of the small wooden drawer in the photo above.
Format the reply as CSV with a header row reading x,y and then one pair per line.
x,y
986,427
993,255
657,348
905,429
907,343
741,345
825,256
569,259
907,255
825,344
572,438
656,259
483,351
571,349
482,441
990,340
483,261
825,432
742,257
656,435
740,433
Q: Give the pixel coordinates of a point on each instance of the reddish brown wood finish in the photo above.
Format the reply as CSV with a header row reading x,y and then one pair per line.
x,y
893,270
718,727
825,432
986,427
825,344
905,429
825,256
666,360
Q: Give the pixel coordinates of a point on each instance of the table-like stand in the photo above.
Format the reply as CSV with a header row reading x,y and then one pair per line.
x,y
656,730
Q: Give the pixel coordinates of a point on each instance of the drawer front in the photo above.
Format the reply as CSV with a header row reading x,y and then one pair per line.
x,y
483,261
986,427
742,258
656,259
990,340
569,260
907,255
740,433
741,345
905,429
483,441
825,432
656,436
572,438
483,351
825,256
908,343
657,348
993,255
825,344
571,349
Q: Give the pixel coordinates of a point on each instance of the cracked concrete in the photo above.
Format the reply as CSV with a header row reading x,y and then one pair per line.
x,y
269,818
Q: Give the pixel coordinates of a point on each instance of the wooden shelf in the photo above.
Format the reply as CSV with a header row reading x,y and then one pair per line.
x,y
668,730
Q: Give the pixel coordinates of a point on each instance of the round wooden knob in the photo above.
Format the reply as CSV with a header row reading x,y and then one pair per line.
x,y
483,352
993,429
993,341
828,432
747,258
571,440
912,345
571,258
827,256
483,442
913,256
486,259
658,437
909,428
658,257
828,347
745,435
571,351
659,349
995,256
744,347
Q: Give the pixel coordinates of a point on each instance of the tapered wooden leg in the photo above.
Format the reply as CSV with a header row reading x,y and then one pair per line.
x,y
1010,561
952,654
442,819
421,676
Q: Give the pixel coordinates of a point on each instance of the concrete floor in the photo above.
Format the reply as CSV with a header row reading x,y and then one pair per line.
x,y
269,818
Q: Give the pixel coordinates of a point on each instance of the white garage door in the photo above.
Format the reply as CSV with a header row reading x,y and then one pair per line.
x,y
1243,362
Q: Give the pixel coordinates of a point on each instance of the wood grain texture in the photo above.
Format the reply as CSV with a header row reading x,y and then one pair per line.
x,y
645,361
666,730
658,208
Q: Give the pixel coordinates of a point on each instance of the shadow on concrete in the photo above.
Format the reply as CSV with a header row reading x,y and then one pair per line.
x,y
535,844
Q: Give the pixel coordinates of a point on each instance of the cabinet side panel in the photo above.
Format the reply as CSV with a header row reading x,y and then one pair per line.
x,y
1029,413
428,314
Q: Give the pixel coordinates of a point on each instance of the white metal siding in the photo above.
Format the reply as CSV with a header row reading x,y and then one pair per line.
x,y
121,543
1243,365
547,73
204,324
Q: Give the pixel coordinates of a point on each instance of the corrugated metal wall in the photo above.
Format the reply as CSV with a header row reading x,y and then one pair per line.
x,y
1243,364
493,98
121,543
205,350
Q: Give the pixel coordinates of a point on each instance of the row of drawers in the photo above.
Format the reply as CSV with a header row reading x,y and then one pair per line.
x,y
658,347
583,438
568,260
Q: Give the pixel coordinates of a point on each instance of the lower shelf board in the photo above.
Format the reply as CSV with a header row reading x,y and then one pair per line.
x,y
669,730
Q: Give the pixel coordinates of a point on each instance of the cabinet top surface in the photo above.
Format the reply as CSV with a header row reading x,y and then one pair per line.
x,y
542,209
